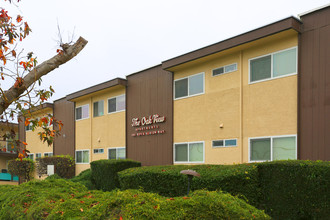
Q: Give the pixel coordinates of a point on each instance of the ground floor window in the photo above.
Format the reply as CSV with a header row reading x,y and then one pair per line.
x,y
273,148
117,153
82,156
30,156
38,155
189,152
48,154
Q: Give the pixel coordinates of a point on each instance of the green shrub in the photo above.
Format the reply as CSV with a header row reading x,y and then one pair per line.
x,y
239,180
23,168
64,165
53,177
85,178
63,199
104,172
295,189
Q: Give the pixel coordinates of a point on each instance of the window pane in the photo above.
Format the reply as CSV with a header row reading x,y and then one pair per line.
x,y
196,84
85,111
181,152
260,68
284,148
181,88
111,105
112,153
78,156
232,142
231,68
121,153
121,103
285,62
85,157
260,149
196,152
98,108
218,143
218,71
78,113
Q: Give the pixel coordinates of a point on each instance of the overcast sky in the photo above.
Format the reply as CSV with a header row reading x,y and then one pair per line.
x,y
127,36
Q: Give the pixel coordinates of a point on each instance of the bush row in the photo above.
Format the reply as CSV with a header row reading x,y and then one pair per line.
x,y
285,189
64,199
104,172
64,165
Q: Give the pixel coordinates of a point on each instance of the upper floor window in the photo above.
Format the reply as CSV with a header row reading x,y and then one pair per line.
x,y
28,127
273,148
82,112
116,104
274,65
189,86
98,108
224,69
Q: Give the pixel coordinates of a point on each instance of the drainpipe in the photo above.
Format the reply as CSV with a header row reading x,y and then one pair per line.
x,y
241,105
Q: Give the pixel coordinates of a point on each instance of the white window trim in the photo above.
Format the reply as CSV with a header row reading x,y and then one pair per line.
x,y
116,151
109,113
224,67
98,149
81,112
103,108
187,77
188,162
31,154
271,66
271,146
224,142
48,153
89,156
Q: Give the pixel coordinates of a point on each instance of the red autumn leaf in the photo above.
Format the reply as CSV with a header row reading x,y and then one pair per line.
x,y
19,18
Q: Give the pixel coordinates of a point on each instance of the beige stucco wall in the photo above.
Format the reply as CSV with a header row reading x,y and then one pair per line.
x,y
105,131
246,110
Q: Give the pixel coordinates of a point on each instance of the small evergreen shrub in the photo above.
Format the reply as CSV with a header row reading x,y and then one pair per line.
x,y
85,178
104,172
295,189
23,168
64,165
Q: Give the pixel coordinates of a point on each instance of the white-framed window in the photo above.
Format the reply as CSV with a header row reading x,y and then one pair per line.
x,y
190,152
225,143
117,153
116,104
274,65
98,108
273,148
98,151
224,69
38,155
28,127
82,112
189,86
49,154
30,156
82,156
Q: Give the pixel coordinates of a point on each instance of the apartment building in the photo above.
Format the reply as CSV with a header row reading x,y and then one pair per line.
x,y
259,96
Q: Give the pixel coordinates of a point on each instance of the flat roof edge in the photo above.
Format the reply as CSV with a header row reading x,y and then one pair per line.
x,y
313,10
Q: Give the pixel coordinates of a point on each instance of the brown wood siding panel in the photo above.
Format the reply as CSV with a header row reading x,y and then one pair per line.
x,y
148,93
314,87
64,144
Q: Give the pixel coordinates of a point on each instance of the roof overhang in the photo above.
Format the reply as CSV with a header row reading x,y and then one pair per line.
x,y
97,88
265,31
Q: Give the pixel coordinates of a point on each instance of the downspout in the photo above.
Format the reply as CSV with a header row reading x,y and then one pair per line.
x,y
241,105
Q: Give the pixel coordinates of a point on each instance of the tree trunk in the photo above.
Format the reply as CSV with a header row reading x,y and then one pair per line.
x,y
44,68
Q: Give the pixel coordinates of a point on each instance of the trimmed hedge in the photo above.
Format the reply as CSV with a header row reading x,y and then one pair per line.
x,y
239,180
85,178
63,199
295,189
23,168
64,165
104,172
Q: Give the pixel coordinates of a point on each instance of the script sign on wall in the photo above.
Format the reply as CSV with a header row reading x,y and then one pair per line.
x,y
148,125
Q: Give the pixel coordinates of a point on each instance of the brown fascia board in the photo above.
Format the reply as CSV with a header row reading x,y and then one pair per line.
x,y
13,155
96,88
9,123
276,27
42,106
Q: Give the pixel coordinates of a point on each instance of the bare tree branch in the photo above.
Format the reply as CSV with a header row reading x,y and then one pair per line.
x,y
69,51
